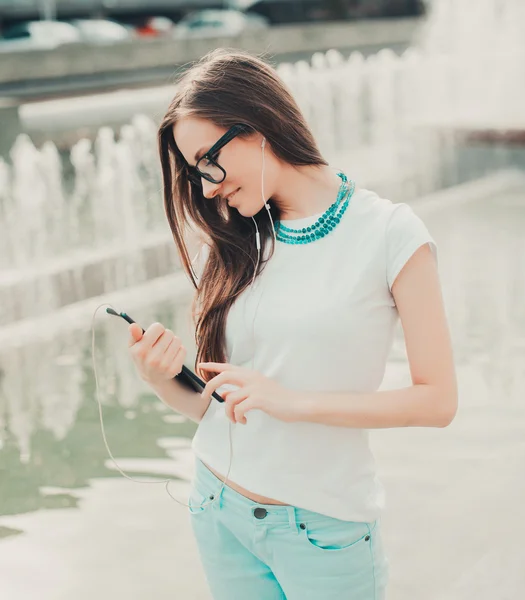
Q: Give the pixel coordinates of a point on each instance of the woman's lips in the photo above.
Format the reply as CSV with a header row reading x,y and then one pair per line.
x,y
232,195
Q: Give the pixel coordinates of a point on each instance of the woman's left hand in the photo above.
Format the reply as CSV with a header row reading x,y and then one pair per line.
x,y
255,391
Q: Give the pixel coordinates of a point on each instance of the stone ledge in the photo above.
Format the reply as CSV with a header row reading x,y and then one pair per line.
x,y
39,291
78,316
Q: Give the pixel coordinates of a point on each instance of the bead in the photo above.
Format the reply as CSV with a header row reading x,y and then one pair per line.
x,y
328,214
326,223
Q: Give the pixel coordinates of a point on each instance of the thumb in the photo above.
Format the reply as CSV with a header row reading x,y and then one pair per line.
x,y
135,333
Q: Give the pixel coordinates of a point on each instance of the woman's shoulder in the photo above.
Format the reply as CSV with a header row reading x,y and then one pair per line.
x,y
374,216
368,208
390,231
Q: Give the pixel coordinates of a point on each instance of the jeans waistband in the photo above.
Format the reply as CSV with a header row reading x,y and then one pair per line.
x,y
208,484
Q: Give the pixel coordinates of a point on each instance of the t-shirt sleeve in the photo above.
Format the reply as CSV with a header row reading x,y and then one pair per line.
x,y
405,233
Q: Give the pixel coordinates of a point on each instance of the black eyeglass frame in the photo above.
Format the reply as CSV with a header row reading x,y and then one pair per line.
x,y
195,174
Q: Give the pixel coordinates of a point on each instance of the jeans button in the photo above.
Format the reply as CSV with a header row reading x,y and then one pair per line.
x,y
260,513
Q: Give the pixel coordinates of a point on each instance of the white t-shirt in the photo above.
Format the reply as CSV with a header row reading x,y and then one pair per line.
x,y
325,322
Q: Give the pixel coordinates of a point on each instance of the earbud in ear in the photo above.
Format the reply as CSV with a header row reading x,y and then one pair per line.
x,y
263,142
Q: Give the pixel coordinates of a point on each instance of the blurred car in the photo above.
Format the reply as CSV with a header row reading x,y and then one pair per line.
x,y
94,31
34,35
155,27
218,22
256,20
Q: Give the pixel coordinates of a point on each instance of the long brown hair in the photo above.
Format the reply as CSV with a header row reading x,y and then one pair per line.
x,y
227,87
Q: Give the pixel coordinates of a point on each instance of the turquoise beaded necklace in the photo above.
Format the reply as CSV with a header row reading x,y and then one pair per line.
x,y
324,224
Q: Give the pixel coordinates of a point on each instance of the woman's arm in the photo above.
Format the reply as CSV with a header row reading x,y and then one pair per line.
x,y
432,400
180,398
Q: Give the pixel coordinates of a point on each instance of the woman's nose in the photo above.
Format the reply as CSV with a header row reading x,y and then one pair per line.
x,y
210,189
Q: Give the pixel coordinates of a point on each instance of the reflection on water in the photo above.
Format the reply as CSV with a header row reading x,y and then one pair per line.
x,y
51,430
52,455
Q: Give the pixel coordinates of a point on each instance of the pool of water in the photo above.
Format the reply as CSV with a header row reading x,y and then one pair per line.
x,y
72,528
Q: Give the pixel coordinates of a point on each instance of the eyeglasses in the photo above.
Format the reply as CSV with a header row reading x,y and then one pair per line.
x,y
207,165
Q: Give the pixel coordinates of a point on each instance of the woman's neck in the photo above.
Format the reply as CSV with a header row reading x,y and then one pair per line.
x,y
306,191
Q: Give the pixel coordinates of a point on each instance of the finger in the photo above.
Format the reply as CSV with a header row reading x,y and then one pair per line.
x,y
135,334
233,400
153,333
237,378
166,340
235,396
219,367
171,351
241,409
172,356
212,385
228,411
225,395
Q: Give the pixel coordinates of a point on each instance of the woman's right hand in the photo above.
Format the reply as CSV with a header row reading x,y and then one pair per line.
x,y
158,354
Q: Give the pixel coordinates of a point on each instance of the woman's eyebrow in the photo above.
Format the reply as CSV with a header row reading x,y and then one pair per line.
x,y
197,154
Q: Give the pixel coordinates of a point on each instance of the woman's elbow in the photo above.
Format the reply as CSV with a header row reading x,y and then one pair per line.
x,y
449,403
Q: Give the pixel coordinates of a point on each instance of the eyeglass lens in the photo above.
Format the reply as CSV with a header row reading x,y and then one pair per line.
x,y
211,170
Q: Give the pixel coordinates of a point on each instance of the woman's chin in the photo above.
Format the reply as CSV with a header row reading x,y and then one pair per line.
x,y
243,211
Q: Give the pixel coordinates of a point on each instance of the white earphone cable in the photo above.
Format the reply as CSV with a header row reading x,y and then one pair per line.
x,y
213,497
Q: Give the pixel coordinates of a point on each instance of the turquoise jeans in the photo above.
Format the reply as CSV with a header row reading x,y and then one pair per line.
x,y
252,551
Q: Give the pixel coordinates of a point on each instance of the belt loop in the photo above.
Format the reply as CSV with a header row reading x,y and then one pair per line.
x,y
292,518
219,500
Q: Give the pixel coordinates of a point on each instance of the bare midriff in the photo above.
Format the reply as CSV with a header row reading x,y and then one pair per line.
x,y
245,492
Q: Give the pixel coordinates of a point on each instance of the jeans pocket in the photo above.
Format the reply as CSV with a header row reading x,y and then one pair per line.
x,y
199,502
335,535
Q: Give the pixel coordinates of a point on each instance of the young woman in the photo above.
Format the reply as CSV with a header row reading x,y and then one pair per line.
x,y
299,284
